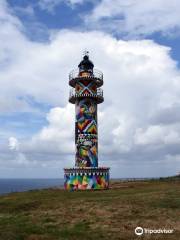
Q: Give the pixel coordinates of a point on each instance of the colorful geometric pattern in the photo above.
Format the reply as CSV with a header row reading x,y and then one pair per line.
x,y
83,125
86,153
86,124
86,87
91,127
86,111
85,108
77,182
82,137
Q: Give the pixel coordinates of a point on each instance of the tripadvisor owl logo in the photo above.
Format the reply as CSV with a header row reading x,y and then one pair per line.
x,y
139,231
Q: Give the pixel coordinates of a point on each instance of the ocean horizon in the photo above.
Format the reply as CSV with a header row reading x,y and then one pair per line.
x,y
10,185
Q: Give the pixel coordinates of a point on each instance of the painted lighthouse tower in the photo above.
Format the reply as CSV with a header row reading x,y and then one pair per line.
x,y
86,94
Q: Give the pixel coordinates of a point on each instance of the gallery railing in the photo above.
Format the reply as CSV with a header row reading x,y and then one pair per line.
x,y
73,95
94,74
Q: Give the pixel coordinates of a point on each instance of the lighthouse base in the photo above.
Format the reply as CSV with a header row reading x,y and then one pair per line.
x,y
86,178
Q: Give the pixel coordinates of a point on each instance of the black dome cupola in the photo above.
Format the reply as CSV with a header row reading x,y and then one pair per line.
x,y
86,65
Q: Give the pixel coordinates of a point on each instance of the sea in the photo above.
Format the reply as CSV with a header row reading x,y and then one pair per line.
x,y
21,185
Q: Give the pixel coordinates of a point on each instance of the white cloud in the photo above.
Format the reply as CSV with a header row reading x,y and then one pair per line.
x,y
7,17
136,17
18,158
57,136
157,135
13,143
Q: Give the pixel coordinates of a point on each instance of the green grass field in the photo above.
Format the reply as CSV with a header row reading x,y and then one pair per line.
x,y
56,214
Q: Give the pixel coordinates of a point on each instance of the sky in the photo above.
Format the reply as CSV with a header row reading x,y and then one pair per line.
x,y
135,43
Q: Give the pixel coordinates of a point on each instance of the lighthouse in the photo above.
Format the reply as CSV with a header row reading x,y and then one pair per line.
x,y
86,94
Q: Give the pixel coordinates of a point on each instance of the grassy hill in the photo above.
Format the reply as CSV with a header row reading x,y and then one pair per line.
x,y
55,214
